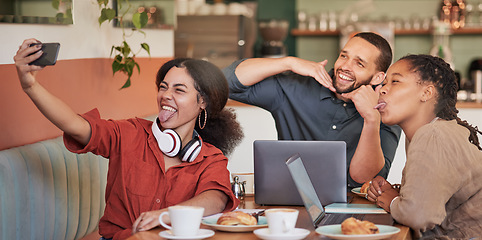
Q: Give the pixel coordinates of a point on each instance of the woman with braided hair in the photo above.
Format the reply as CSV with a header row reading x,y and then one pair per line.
x,y
441,189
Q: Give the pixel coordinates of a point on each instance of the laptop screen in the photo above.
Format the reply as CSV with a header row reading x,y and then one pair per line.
x,y
317,211
325,162
305,188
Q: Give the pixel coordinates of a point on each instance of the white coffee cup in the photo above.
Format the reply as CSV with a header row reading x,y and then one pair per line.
x,y
281,220
248,178
185,220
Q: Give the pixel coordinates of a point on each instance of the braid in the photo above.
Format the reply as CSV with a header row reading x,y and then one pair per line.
x,y
473,138
436,71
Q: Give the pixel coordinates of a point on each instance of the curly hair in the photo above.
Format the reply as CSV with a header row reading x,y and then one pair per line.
x,y
436,71
221,129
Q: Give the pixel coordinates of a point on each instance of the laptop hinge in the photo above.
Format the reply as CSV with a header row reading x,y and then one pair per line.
x,y
319,218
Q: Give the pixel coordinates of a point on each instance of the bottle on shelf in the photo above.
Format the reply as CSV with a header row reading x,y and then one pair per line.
x,y
441,35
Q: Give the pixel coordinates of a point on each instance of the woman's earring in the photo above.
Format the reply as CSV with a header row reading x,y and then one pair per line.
x,y
205,119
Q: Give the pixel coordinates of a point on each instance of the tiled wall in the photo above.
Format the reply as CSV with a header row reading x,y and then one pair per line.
x,y
464,47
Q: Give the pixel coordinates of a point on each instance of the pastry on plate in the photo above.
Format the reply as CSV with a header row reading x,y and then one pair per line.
x,y
353,226
237,218
364,188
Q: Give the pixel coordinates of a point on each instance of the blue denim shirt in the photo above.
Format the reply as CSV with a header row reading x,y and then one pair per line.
x,y
305,110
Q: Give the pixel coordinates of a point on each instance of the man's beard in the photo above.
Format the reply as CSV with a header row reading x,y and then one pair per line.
x,y
350,88
354,86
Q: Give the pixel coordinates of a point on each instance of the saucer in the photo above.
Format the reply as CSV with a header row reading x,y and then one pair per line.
x,y
334,232
212,220
203,233
357,192
298,233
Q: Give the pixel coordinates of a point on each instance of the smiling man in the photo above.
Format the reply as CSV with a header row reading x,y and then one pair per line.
x,y
309,103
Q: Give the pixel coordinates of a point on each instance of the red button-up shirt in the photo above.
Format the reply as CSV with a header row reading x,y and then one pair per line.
x,y
137,180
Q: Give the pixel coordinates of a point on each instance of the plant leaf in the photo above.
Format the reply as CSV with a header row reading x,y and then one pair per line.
x,y
126,50
138,68
129,66
110,13
136,20
127,83
144,19
117,64
55,4
146,47
102,17
140,20
100,2
143,33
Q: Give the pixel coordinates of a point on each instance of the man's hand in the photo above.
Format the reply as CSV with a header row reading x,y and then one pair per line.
x,y
365,99
312,69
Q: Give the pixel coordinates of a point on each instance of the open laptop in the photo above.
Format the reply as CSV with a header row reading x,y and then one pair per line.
x,y
313,205
325,161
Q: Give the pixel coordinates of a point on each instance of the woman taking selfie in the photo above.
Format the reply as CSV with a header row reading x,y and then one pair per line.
x,y
441,190
177,160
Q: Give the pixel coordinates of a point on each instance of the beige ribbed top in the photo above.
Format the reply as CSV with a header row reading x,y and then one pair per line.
x,y
441,192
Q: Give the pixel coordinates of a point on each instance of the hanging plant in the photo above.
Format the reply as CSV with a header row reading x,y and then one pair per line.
x,y
124,60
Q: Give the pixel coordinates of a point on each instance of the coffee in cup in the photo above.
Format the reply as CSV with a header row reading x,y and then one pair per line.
x,y
281,220
185,220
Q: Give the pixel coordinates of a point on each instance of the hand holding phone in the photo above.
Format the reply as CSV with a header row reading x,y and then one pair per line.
x,y
49,55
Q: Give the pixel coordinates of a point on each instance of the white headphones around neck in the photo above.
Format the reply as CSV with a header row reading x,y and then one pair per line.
x,y
170,143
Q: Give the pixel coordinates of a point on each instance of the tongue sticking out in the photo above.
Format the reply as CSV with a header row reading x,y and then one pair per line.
x,y
380,105
164,115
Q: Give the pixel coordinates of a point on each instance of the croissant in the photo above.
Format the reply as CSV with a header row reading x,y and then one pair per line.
x,y
353,226
236,218
364,188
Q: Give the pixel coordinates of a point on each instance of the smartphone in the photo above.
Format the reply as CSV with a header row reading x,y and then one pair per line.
x,y
49,56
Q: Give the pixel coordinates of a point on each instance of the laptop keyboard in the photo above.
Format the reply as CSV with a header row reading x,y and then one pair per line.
x,y
338,218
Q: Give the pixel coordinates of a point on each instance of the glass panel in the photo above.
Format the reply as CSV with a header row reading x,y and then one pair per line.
x,y
36,11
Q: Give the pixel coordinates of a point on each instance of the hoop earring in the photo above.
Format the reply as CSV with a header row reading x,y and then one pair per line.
x,y
205,119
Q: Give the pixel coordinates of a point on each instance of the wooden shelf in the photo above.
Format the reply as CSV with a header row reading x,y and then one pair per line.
x,y
297,32
462,31
461,104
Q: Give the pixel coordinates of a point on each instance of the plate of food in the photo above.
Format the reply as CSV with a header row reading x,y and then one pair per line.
x,y
358,192
240,220
353,228
361,191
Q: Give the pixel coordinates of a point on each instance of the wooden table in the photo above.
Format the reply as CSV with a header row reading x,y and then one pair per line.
x,y
304,221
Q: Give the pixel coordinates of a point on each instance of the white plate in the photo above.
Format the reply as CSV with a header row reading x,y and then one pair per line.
x,y
334,231
212,220
203,233
298,233
357,192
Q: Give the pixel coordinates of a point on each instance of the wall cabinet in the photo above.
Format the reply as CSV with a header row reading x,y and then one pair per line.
x,y
218,39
